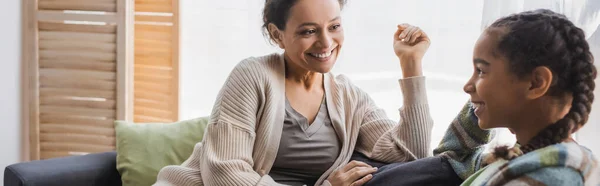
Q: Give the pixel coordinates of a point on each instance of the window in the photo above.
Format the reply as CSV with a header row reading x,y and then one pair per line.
x,y
216,35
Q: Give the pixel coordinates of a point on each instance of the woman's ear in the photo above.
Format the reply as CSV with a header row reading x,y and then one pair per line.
x,y
276,35
540,82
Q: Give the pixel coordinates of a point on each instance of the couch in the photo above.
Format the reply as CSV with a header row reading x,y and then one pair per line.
x,y
90,170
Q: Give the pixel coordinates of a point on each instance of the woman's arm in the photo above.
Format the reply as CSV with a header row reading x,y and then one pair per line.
x,y
380,138
384,140
226,154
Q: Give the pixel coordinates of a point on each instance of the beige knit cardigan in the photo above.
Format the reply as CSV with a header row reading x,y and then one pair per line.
x,y
241,141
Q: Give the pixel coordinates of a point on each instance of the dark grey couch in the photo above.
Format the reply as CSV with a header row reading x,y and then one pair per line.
x,y
93,170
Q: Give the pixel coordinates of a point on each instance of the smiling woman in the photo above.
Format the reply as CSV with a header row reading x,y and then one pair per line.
x,y
284,118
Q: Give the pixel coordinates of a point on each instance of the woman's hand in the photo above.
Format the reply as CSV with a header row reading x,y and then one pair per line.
x,y
355,173
410,44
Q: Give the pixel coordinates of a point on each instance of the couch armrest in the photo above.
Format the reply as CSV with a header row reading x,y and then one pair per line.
x,y
91,169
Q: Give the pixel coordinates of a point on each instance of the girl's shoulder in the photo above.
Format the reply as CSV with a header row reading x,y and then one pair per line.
x,y
555,161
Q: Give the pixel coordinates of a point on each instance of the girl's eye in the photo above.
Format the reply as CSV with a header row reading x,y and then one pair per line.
x,y
479,71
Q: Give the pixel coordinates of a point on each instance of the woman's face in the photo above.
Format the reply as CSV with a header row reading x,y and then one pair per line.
x,y
313,35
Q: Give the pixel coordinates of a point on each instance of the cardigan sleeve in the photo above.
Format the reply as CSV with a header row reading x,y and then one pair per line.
x,y
384,140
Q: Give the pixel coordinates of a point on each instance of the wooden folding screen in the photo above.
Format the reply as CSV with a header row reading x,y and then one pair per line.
x,y
87,63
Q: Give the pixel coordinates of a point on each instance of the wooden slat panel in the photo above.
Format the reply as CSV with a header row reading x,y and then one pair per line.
x,y
164,50
77,74
149,42
62,27
155,47
151,103
78,46
60,146
77,84
65,101
75,129
152,7
145,78
150,119
77,36
82,1
77,55
152,96
155,112
154,35
153,28
68,92
79,138
60,15
152,18
90,5
161,2
147,53
73,120
47,109
160,88
153,61
142,69
78,64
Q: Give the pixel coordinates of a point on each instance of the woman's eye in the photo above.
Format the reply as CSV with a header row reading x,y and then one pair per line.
x,y
335,27
308,32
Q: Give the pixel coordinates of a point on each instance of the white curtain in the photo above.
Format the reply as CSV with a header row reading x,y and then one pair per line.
x,y
216,35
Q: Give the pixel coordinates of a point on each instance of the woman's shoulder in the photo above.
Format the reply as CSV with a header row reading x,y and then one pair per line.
x,y
271,62
259,67
249,80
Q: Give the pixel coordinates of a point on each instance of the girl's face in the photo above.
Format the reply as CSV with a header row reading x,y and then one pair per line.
x,y
498,95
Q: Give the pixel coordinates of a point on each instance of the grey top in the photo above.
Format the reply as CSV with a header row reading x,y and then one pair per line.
x,y
305,151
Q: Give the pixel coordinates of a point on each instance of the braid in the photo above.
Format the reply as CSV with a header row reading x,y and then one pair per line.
x,y
581,85
544,38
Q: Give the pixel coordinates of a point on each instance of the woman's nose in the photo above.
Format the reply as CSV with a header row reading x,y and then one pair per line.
x,y
325,41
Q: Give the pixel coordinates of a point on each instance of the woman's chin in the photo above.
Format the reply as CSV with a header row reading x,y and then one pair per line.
x,y
323,68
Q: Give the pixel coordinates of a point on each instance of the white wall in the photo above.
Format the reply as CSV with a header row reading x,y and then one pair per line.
x,y
10,61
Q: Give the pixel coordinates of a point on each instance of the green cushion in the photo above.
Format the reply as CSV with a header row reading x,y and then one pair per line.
x,y
144,148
